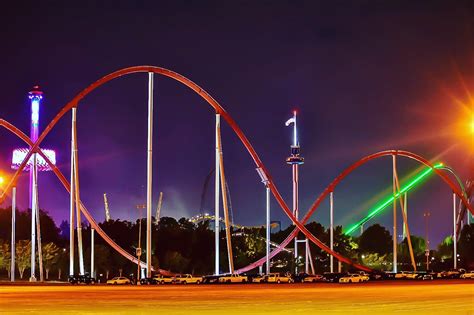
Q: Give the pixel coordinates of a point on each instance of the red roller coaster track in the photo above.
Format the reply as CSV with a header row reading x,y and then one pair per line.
x,y
220,110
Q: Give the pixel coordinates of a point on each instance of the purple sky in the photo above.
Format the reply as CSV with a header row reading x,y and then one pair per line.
x,y
365,76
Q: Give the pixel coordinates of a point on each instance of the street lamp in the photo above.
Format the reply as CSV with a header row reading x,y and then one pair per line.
x,y
427,215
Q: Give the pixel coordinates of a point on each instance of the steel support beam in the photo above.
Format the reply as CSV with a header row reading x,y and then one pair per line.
x,y
72,194
13,240
149,175
394,190
268,230
455,238
217,196
331,229
92,253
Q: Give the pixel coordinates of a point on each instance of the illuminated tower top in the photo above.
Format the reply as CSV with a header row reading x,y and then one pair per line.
x,y
35,96
295,157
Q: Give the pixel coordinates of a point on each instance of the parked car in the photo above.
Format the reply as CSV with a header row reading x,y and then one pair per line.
x,y
210,279
188,279
145,281
352,278
234,278
160,279
76,279
412,275
378,275
450,274
426,276
401,275
260,278
314,278
278,278
334,276
119,280
468,275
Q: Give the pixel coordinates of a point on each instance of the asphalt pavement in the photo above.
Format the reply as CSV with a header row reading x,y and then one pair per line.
x,y
385,297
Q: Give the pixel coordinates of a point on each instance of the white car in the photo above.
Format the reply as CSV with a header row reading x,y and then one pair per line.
x,y
187,278
277,278
468,275
119,280
352,278
160,279
235,278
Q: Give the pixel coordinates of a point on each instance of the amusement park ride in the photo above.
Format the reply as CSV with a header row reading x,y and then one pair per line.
x,y
36,159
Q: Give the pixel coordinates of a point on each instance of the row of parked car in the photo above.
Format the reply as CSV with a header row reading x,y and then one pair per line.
x,y
430,275
231,278
259,278
283,278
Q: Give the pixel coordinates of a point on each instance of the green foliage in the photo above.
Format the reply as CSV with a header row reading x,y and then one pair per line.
x,y
5,255
376,261
23,255
51,255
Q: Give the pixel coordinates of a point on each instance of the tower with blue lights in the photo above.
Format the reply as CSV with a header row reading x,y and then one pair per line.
x,y
35,164
35,96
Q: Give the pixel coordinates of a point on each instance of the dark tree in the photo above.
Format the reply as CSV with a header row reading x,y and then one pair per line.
x,y
375,239
466,247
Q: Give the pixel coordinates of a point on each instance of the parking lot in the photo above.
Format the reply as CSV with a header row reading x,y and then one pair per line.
x,y
433,297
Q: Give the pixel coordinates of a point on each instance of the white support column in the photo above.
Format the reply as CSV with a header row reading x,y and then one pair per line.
x,y
455,238
216,196
13,240
149,175
33,218
331,229
406,214
72,194
77,193
267,256
306,262
38,236
310,259
92,253
395,243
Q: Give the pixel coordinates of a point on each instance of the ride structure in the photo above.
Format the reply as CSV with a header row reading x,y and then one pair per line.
x,y
34,164
73,188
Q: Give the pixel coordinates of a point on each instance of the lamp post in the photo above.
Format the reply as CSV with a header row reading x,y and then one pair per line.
x,y
427,215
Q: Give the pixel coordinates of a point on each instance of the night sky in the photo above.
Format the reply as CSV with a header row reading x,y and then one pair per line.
x,y
364,75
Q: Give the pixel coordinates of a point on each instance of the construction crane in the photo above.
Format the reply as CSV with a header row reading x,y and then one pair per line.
x,y
158,209
107,211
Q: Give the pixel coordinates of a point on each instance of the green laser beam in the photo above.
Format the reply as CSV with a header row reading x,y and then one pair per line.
x,y
390,200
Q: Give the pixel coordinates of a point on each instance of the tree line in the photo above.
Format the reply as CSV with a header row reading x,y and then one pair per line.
x,y
184,247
